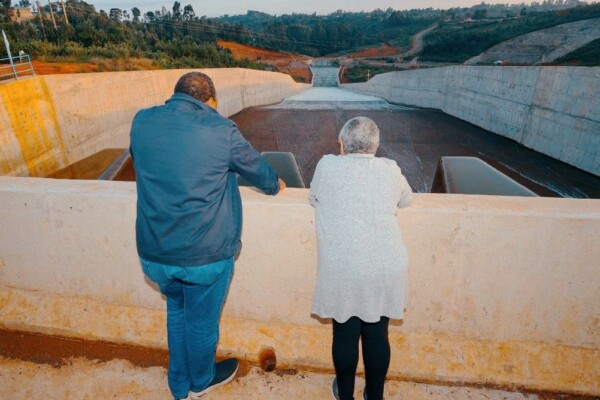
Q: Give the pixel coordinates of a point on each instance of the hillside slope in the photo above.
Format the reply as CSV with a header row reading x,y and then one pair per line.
x,y
542,46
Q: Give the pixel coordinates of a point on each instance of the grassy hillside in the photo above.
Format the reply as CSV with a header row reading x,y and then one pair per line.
x,y
588,55
454,42
178,38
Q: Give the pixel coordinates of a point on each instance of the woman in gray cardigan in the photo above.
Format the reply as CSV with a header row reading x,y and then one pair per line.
x,y
362,260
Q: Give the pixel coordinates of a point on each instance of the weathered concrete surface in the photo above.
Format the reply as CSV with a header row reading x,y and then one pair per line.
x,y
553,110
544,45
49,122
85,379
31,141
503,291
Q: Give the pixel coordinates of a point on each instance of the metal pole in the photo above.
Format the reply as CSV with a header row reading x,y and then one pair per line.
x,y
52,15
12,65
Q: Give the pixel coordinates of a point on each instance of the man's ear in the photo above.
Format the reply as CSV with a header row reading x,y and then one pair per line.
x,y
212,102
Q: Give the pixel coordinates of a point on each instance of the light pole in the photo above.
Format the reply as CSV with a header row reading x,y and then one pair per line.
x,y
12,65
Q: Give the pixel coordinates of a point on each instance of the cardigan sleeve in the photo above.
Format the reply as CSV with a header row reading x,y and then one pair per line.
x,y
313,194
406,193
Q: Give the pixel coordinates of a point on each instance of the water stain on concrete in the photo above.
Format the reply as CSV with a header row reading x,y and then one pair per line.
x,y
70,354
54,350
60,351
34,122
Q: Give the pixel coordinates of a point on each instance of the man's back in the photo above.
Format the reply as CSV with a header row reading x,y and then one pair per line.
x,y
189,208
189,221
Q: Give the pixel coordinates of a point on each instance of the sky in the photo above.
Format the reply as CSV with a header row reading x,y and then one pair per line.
x,y
215,8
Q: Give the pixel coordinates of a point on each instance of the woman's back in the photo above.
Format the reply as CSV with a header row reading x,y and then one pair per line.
x,y
362,259
362,277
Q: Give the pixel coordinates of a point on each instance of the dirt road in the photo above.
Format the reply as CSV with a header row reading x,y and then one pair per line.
x,y
417,41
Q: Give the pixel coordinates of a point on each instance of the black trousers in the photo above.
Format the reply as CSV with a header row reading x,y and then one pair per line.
x,y
376,355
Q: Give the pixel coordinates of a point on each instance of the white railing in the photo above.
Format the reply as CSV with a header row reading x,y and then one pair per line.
x,y
14,67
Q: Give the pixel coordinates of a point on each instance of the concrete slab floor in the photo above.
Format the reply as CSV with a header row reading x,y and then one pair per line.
x,y
80,378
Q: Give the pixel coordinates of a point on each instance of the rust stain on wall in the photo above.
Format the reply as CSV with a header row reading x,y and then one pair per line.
x,y
35,125
432,357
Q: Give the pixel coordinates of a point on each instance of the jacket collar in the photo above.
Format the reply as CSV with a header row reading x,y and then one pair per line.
x,y
360,155
184,100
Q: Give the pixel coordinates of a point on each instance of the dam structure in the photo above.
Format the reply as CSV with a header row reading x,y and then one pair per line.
x,y
414,137
503,291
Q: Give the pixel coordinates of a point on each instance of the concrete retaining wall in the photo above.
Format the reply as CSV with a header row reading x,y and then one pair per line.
x,y
503,291
553,110
49,122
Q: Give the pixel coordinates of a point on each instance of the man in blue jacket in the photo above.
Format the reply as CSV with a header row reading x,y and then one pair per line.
x,y
189,221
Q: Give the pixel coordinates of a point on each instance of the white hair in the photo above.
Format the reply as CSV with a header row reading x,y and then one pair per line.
x,y
360,135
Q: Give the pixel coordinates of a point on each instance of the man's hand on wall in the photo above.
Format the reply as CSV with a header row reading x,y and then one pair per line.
x,y
282,185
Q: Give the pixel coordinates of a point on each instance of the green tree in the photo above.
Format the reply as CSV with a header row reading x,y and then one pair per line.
x,y
188,13
115,14
177,11
136,14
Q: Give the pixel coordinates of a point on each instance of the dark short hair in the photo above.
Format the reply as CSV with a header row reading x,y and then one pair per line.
x,y
197,85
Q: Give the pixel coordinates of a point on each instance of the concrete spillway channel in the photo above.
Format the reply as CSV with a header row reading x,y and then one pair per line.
x,y
307,124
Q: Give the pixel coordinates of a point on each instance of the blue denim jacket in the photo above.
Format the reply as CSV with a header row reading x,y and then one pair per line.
x,y
186,156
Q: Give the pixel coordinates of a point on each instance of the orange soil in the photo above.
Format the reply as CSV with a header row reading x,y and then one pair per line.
x,y
383,50
256,53
283,62
45,68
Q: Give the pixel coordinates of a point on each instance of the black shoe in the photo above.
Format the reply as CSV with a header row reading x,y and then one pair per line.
x,y
225,372
334,389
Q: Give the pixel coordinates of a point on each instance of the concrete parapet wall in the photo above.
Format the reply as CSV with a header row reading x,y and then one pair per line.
x,y
553,110
503,291
49,122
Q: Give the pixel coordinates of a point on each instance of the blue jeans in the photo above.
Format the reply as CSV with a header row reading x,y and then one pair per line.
x,y
195,297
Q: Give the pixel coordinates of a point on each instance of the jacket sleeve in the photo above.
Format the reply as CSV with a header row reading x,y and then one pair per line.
x,y
247,162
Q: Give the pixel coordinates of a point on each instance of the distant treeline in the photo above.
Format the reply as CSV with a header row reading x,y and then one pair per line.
x,y
170,42
339,32
177,37
178,33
